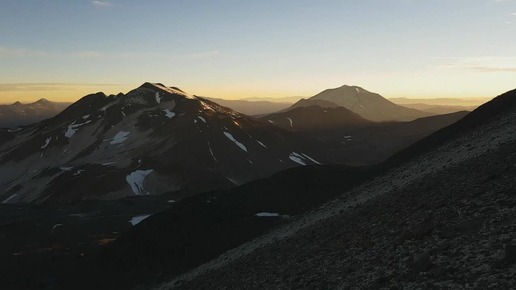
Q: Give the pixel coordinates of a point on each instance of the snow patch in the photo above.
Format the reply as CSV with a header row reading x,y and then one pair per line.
x,y
56,226
207,106
10,198
211,152
202,119
301,158
158,98
358,90
72,128
271,121
291,122
78,172
120,137
85,117
267,214
230,137
46,143
136,179
138,219
297,158
66,168
169,114
310,158
263,145
232,180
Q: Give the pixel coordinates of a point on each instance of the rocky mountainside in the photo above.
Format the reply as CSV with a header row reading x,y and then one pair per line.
x,y
152,140
18,114
427,220
369,105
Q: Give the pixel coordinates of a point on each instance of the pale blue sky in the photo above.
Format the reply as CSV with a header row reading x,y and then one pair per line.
x,y
232,49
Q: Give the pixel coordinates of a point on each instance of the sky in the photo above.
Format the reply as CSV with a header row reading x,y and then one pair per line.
x,y
65,49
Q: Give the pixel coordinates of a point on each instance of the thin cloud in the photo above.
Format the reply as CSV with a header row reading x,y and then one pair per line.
x,y
101,4
29,87
486,64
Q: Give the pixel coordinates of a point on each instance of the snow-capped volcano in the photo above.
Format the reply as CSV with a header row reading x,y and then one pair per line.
x,y
152,140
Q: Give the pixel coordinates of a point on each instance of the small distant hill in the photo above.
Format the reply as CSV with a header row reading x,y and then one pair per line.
x,y
18,114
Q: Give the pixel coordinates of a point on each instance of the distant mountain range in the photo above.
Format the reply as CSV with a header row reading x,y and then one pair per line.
x,y
465,102
439,109
157,139
252,108
18,114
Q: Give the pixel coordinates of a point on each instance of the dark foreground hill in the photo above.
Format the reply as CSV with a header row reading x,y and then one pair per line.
x,y
442,218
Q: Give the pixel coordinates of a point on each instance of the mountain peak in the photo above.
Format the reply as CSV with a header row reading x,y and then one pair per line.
x,y
163,88
369,105
42,101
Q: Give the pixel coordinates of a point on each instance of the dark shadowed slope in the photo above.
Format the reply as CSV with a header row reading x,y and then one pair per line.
x,y
202,227
316,118
369,105
18,114
444,218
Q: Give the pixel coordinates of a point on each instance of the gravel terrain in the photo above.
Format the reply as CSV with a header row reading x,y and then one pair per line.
x,y
444,220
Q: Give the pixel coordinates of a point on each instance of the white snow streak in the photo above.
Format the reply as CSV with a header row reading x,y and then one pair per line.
x,y
230,137
211,151
297,158
267,214
291,122
263,145
72,128
158,98
311,159
46,143
120,137
138,219
10,198
301,158
136,179
169,114
202,119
